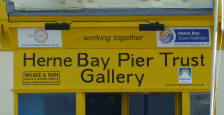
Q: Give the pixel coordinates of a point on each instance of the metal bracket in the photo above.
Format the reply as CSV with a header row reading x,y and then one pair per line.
x,y
151,27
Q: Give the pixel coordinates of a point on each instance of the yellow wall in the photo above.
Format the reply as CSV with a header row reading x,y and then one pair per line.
x,y
157,76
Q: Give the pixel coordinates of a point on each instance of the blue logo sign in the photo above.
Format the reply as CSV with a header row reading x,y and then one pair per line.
x,y
192,35
185,75
185,72
181,37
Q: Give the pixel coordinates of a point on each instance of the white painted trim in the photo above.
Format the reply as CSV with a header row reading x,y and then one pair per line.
x,y
6,83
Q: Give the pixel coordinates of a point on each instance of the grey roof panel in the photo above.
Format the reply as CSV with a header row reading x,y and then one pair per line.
x,y
107,12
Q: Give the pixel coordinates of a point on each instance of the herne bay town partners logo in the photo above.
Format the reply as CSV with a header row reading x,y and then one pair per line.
x,y
167,36
40,35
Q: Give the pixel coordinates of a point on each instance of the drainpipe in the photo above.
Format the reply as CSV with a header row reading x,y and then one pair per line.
x,y
212,98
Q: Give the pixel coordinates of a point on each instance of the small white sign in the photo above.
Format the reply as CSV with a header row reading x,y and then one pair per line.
x,y
185,75
39,37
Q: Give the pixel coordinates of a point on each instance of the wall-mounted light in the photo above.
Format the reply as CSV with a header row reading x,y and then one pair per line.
x,y
57,26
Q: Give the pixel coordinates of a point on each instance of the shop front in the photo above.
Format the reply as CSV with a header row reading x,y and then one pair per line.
x,y
110,65
144,77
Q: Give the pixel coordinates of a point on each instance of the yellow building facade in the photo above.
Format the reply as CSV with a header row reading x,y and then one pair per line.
x,y
110,55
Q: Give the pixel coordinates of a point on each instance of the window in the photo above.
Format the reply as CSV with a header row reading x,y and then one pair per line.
x,y
47,104
152,104
103,104
200,103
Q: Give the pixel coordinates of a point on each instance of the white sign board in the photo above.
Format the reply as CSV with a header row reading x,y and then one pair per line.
x,y
39,37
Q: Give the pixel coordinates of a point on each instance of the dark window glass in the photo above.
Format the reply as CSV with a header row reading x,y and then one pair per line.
x,y
103,104
200,103
47,104
152,104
